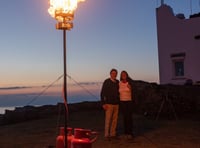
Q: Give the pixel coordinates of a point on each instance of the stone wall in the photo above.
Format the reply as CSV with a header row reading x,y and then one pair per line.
x,y
184,99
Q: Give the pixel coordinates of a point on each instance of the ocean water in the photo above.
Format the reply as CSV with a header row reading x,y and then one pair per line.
x,y
11,98
44,100
2,109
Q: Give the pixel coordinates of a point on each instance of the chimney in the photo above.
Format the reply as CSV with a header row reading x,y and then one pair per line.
x,y
162,2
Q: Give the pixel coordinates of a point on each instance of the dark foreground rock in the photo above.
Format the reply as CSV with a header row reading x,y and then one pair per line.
x,y
151,100
27,113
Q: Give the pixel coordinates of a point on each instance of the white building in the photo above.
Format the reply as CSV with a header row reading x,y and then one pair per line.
x,y
178,46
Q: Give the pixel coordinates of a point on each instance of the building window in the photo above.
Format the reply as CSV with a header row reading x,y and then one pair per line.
x,y
178,64
179,68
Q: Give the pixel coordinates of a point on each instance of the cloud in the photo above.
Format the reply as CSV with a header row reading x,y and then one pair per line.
x,y
24,87
88,83
14,87
43,86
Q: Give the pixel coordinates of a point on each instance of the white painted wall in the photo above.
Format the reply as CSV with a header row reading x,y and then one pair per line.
x,y
176,35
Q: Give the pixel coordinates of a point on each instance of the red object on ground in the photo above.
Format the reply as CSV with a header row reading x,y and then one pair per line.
x,y
82,138
61,138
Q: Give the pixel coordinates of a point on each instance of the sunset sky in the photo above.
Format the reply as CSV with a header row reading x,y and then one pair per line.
x,y
107,34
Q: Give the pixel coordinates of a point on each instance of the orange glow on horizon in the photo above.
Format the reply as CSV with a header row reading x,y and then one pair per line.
x,y
31,90
53,90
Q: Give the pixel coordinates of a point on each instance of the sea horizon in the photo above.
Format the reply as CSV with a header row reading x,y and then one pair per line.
x,y
36,96
51,101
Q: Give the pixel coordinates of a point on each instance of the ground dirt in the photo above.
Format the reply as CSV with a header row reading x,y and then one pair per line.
x,y
148,133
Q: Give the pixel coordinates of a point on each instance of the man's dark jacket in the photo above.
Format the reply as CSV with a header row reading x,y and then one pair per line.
x,y
110,92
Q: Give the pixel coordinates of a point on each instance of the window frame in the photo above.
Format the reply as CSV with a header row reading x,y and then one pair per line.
x,y
178,57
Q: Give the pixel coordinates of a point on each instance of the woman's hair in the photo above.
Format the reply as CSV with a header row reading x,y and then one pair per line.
x,y
127,76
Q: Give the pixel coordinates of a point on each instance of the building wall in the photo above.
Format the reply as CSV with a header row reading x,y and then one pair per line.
x,y
176,37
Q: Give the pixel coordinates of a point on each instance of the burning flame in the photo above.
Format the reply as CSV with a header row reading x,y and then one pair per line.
x,y
62,6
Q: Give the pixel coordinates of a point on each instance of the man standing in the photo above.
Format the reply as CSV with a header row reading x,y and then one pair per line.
x,y
110,101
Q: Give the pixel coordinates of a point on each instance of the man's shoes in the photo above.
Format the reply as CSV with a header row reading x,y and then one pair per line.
x,y
129,137
107,138
114,138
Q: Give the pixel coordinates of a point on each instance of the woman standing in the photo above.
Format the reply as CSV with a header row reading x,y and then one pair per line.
x,y
126,103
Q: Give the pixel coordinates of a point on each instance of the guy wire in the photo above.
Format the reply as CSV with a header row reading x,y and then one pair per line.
x,y
44,90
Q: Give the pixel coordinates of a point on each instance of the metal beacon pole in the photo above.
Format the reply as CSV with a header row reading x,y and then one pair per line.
x,y
63,12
